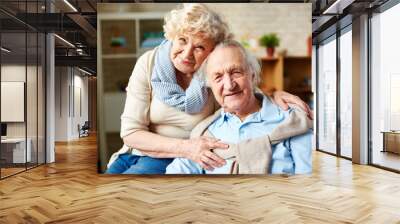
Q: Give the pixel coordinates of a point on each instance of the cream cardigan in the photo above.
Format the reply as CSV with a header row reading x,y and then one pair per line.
x,y
144,112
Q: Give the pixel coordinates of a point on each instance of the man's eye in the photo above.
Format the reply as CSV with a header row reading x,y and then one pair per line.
x,y
200,48
237,73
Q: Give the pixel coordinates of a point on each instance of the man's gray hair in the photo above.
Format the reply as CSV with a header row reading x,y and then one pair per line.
x,y
252,64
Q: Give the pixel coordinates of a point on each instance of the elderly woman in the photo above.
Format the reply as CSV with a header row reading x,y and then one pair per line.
x,y
166,98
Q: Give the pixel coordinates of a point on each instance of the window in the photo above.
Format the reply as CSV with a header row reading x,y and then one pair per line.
x,y
327,96
346,92
385,88
22,75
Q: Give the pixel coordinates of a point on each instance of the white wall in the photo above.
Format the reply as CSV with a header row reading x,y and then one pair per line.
x,y
12,73
61,103
80,104
33,126
291,22
82,83
70,83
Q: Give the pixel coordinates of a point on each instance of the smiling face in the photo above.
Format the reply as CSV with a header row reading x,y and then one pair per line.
x,y
230,79
189,51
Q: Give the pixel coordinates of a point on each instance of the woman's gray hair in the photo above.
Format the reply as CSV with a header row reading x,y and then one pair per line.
x,y
196,18
252,64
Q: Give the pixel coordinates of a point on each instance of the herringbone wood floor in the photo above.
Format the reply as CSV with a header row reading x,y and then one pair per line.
x,y
70,191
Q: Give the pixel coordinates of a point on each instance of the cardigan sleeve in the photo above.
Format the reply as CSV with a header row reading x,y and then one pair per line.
x,y
135,116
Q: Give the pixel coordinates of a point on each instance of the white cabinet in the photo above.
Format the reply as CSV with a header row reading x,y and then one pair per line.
x,y
15,148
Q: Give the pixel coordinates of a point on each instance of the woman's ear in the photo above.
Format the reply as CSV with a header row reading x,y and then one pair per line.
x,y
253,79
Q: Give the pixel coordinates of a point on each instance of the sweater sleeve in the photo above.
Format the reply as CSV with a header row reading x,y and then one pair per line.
x,y
136,112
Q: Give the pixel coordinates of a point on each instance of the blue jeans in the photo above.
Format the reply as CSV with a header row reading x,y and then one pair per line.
x,y
133,164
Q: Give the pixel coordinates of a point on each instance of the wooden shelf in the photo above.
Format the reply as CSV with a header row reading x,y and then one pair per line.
x,y
301,90
273,59
289,73
298,58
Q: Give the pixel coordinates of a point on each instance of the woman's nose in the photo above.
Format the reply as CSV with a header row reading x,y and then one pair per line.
x,y
188,52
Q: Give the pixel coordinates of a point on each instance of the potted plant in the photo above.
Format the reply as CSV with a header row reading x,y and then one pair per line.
x,y
270,41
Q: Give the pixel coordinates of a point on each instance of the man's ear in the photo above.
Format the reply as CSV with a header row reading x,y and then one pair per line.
x,y
208,84
253,81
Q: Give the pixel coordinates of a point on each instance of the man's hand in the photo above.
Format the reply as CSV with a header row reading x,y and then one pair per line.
x,y
282,98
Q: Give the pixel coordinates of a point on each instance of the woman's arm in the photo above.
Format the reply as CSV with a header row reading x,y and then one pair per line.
x,y
155,145
158,146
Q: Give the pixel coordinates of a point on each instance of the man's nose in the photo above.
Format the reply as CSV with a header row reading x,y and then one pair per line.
x,y
229,83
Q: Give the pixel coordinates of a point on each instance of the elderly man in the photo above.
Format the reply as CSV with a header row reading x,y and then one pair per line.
x,y
259,132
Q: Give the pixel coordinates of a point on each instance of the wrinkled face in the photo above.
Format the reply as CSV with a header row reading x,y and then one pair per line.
x,y
229,78
189,51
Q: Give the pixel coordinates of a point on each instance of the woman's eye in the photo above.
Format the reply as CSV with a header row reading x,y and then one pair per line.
x,y
182,40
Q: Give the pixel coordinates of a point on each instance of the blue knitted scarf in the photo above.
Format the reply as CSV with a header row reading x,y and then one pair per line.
x,y
166,88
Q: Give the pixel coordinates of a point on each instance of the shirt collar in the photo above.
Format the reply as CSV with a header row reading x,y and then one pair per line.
x,y
269,112
224,116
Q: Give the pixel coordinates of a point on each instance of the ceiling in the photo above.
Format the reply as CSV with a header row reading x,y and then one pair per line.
x,y
79,27
76,24
335,14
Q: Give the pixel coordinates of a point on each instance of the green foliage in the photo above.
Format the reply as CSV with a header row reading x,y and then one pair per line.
x,y
269,40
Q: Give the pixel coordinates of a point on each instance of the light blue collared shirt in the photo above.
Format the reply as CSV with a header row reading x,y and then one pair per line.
x,y
292,156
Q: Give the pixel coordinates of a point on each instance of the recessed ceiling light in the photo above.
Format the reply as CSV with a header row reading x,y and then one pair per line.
x,y
5,50
64,40
84,71
337,7
70,5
